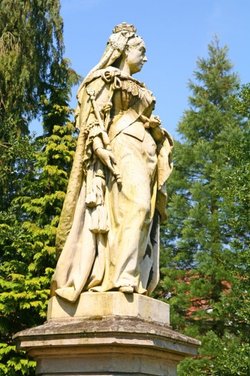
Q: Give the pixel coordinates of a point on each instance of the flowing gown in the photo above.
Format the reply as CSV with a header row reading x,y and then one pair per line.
x,y
114,238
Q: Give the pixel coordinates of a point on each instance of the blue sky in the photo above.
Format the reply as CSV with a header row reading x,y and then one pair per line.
x,y
176,33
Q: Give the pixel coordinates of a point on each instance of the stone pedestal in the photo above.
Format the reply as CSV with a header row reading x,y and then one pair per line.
x,y
106,334
109,304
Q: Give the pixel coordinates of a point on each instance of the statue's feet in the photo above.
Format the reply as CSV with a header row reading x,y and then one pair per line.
x,y
127,289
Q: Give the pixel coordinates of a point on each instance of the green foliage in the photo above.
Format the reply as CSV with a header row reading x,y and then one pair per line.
x,y
30,52
27,243
31,46
15,167
14,363
206,258
34,79
219,357
28,226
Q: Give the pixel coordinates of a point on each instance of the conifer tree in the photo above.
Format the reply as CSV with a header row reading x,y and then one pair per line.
x,y
34,79
31,47
28,229
206,241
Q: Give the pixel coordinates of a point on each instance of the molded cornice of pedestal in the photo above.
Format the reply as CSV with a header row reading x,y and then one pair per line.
x,y
55,335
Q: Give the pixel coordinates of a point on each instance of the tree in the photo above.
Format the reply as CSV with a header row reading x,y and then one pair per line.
x,y
28,239
31,44
34,80
206,240
31,48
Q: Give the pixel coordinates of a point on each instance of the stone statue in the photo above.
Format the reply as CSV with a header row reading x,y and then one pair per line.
x,y
116,194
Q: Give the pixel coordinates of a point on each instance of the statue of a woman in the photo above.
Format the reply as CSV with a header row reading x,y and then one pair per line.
x,y
116,196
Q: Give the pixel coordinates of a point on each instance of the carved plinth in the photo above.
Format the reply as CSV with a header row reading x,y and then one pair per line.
x,y
108,344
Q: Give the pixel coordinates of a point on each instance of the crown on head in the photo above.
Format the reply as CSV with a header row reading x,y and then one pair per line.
x,y
124,26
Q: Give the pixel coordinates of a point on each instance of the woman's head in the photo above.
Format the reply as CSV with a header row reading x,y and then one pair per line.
x,y
123,44
130,48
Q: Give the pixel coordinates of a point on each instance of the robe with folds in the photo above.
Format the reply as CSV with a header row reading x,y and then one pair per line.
x,y
111,228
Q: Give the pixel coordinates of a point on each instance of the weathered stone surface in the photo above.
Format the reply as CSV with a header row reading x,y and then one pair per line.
x,y
57,331
106,346
106,304
109,225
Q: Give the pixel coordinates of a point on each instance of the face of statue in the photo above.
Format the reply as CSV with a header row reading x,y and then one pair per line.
x,y
136,57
